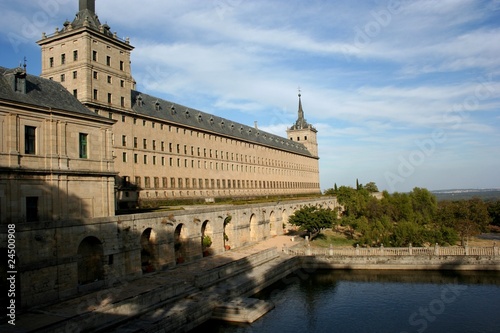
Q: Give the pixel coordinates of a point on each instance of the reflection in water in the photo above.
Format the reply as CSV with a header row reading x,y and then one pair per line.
x,y
378,301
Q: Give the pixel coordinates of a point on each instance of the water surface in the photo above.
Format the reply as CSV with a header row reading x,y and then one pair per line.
x,y
378,301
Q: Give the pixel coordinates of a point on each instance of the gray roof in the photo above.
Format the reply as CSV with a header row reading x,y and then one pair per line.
x,y
40,92
158,108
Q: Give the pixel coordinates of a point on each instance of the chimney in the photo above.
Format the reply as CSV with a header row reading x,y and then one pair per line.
x,y
87,4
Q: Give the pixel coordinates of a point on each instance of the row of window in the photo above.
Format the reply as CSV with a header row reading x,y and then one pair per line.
x,y
186,163
208,153
30,142
200,183
75,58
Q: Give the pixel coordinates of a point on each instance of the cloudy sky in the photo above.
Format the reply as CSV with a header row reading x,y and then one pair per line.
x,y
403,93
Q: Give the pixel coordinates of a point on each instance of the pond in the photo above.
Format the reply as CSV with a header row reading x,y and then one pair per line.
x,y
377,301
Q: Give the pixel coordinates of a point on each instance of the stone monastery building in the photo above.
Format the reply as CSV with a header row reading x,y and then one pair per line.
x,y
80,142
163,150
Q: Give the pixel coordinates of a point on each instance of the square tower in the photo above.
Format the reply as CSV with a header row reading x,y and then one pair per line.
x,y
89,60
303,132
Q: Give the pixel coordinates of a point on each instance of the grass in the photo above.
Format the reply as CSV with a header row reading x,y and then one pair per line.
x,y
329,237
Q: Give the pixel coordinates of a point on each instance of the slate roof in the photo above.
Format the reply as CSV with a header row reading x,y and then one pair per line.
x,y
42,93
151,106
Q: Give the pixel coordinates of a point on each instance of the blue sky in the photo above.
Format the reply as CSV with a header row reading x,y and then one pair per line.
x,y
403,93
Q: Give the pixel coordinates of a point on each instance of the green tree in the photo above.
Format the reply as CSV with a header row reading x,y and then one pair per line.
x,y
312,219
371,187
467,217
494,212
353,201
330,191
424,205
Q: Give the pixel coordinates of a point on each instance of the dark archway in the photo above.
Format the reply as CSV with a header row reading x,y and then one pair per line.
x,y
227,232
254,228
272,224
149,260
90,257
179,245
206,238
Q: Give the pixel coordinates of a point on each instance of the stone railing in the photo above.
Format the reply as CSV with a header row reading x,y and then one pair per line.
x,y
393,251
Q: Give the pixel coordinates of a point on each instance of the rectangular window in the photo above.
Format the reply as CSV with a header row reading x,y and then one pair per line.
x,y
135,142
94,55
75,55
154,160
75,74
83,144
124,140
75,93
122,101
145,143
29,139
124,157
138,181
94,75
122,83
109,98
121,65
63,77
108,60
63,59
109,79
157,182
135,159
145,159
51,62
31,209
154,144
95,93
147,182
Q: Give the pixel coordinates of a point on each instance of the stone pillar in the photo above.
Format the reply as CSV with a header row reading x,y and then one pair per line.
x,y
436,249
382,249
330,251
495,250
410,249
308,251
466,247
285,249
357,249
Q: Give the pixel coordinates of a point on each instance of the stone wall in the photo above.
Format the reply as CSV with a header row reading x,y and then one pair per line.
x,y
403,262
59,259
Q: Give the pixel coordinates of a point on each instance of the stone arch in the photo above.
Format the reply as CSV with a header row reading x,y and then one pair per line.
x,y
254,228
180,243
206,231
90,260
227,232
284,220
272,224
149,258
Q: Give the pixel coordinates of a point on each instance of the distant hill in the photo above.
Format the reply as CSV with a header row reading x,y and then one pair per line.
x,y
492,194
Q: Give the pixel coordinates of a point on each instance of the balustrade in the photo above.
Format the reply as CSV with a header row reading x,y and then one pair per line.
x,y
393,251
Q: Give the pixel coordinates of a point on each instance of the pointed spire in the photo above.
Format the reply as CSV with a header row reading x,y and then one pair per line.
x,y
87,4
301,112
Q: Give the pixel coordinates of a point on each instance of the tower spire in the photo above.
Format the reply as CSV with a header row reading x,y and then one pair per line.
x,y
301,112
87,4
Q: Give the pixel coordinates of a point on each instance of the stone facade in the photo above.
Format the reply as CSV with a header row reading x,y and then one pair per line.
x,y
79,142
56,160
168,151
